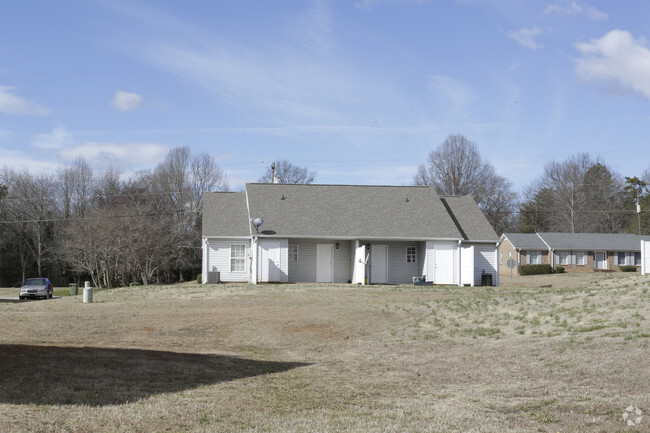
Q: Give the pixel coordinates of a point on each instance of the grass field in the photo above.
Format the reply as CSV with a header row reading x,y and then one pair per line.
x,y
313,358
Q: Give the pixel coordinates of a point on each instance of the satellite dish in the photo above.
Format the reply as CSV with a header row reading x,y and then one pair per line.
x,y
257,222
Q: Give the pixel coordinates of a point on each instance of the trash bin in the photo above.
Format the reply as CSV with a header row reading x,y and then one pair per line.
x,y
74,289
88,293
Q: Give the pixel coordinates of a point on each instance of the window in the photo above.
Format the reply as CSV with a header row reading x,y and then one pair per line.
x,y
581,258
637,259
564,258
237,258
534,257
620,259
410,254
293,253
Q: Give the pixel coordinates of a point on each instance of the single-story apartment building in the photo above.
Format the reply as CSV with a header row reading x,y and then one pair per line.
x,y
575,252
346,234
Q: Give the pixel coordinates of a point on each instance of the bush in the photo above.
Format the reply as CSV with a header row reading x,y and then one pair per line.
x,y
535,269
559,269
628,268
199,279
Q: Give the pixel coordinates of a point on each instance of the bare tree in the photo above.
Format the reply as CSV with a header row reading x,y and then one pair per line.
x,y
205,176
75,187
287,172
32,210
578,195
456,168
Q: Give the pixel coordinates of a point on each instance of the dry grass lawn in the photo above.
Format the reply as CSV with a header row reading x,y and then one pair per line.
x,y
313,358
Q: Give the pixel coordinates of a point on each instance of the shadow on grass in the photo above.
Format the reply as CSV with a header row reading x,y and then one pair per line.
x,y
98,376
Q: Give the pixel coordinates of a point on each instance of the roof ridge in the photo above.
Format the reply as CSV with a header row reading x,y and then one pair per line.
x,y
335,185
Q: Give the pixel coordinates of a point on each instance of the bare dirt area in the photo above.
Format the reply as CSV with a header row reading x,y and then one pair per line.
x,y
562,353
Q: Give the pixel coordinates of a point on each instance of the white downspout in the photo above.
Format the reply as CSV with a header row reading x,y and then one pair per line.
x,y
497,261
460,263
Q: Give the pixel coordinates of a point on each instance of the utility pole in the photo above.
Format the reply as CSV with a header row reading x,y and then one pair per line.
x,y
638,213
273,172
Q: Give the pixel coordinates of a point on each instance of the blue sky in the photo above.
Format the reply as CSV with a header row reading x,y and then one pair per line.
x,y
359,91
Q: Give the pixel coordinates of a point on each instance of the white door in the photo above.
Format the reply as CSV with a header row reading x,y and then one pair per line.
x,y
271,271
323,263
379,264
601,260
443,259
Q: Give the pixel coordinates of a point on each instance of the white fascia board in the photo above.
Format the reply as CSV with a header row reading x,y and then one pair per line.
x,y
248,212
212,238
545,243
352,238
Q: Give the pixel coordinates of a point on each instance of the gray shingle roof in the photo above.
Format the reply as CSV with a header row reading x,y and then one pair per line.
x,y
351,211
526,241
225,214
593,241
471,221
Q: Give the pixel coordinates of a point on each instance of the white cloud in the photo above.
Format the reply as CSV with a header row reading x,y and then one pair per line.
x,y
12,104
58,138
124,154
126,101
616,57
575,8
453,94
20,160
526,37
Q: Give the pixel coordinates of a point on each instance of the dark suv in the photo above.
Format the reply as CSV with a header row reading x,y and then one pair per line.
x,y
36,288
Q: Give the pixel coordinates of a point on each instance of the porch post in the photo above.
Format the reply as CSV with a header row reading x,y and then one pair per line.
x,y
204,261
359,263
253,269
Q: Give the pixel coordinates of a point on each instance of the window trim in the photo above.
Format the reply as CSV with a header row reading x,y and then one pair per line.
x,y
297,254
233,258
567,258
414,254
538,257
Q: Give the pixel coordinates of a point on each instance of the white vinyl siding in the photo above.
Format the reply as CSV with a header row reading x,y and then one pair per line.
x,y
275,250
422,247
442,262
304,270
399,270
219,260
485,261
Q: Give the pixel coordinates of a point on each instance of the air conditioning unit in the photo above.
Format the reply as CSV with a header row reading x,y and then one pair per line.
x,y
213,277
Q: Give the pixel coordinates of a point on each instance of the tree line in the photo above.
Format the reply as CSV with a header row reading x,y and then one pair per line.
x,y
578,195
110,228
115,229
